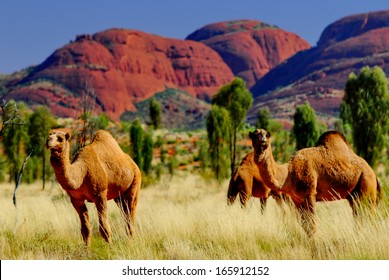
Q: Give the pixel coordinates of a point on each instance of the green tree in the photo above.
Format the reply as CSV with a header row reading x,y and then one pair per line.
x,y
15,142
147,153
155,113
305,128
39,125
218,126
263,119
9,115
203,155
237,100
136,138
365,106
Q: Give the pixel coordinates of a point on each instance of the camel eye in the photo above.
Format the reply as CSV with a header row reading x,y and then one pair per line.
x,y
59,139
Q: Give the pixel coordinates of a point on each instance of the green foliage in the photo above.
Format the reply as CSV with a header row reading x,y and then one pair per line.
x,y
365,107
136,138
9,115
39,124
155,113
237,100
203,155
218,128
15,141
172,165
305,128
3,165
263,120
282,145
147,153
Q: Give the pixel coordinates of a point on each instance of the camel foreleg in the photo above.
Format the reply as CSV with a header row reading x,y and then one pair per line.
x,y
84,220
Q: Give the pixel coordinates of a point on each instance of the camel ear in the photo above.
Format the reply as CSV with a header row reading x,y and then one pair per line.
x,y
251,135
68,135
268,134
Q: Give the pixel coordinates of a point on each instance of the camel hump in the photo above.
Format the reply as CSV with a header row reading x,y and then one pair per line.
x,y
102,135
329,136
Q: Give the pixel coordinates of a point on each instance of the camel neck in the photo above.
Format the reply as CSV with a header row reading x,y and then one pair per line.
x,y
273,174
63,169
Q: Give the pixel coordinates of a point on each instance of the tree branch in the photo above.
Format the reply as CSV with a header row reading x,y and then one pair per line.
x,y
20,177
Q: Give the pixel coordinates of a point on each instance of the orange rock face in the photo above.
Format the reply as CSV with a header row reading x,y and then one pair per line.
x,y
251,48
121,67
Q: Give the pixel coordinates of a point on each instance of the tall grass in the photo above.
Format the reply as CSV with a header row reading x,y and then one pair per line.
x,y
185,218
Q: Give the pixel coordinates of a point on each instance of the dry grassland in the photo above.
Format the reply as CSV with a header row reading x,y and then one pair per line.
x,y
185,218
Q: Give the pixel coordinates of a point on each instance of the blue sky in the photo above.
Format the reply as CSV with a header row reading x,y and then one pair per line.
x,y
33,29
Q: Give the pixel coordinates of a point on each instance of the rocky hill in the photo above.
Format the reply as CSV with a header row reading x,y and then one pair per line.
x,y
318,75
121,67
249,47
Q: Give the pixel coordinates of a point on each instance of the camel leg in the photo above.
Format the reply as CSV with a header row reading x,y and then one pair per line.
x,y
84,219
352,200
263,202
104,228
307,214
244,198
363,197
281,204
122,203
128,202
231,194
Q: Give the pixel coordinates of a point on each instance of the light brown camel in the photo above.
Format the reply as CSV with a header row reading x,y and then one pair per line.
x,y
99,172
246,181
329,171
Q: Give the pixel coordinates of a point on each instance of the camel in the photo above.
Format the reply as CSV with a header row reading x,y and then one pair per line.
x,y
327,172
99,172
247,181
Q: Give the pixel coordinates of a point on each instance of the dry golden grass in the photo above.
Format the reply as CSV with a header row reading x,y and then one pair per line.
x,y
185,218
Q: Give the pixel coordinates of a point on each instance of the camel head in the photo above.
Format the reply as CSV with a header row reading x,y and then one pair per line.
x,y
260,140
58,139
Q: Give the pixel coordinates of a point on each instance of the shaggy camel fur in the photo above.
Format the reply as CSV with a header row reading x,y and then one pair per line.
x,y
99,172
246,181
329,171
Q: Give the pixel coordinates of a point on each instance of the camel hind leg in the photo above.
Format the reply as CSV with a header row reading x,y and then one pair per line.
x,y
104,228
263,202
365,196
307,215
128,202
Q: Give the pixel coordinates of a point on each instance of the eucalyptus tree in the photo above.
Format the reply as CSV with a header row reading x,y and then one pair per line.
x,y
365,107
218,130
39,124
305,127
237,100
